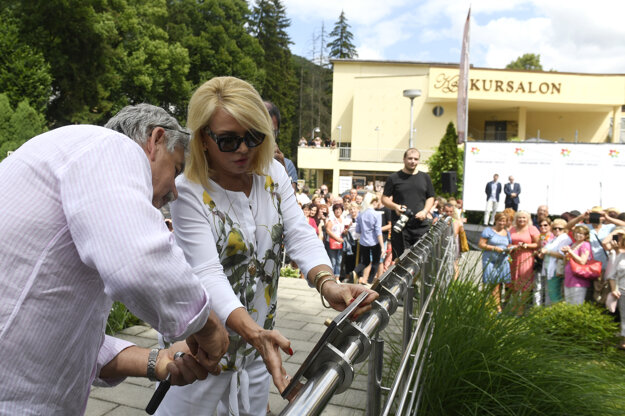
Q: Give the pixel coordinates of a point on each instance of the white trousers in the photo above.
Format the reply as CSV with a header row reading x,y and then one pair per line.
x,y
490,211
243,393
575,295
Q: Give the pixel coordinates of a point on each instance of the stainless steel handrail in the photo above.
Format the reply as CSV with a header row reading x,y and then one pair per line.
x,y
332,371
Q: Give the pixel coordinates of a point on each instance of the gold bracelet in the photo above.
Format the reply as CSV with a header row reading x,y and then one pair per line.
x,y
323,302
319,275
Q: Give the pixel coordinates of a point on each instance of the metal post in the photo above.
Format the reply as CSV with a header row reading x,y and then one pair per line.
x,y
374,381
411,141
408,307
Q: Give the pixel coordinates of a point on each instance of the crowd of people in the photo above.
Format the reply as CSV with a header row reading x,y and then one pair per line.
x,y
533,258
317,142
356,229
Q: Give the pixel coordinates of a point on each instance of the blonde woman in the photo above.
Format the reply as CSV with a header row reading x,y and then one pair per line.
x,y
524,238
235,211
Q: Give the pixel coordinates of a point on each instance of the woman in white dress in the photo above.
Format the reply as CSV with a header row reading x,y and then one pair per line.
x,y
235,212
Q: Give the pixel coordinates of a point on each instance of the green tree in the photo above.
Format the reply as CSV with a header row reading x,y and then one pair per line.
x,y
268,25
74,37
24,73
342,45
528,61
218,44
446,158
149,66
19,125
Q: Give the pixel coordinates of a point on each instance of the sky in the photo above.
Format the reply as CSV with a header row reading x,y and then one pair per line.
x,y
570,35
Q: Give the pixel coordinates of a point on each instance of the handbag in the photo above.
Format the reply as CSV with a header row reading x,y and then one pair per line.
x,y
335,245
462,238
589,271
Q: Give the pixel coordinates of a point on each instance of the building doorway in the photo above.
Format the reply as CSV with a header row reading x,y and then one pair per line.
x,y
495,130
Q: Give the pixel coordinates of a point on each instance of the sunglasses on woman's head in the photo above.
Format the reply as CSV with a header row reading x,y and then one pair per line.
x,y
230,142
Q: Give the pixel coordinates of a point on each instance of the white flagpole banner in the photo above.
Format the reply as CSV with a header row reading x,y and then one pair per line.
x,y
463,85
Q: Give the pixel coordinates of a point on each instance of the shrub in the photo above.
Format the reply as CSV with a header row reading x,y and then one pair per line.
x,y
587,325
120,318
483,363
288,271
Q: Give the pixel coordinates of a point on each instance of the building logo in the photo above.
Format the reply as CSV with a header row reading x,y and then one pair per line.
x,y
614,153
448,83
519,151
565,152
475,150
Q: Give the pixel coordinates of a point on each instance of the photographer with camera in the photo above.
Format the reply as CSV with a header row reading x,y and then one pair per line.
x,y
409,194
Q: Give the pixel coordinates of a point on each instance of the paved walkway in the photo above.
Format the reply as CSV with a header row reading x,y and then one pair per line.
x,y
300,318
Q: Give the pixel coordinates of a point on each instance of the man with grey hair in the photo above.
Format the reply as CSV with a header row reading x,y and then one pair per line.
x,y
79,230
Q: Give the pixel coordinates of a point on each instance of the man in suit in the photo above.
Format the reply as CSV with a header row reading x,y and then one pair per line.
x,y
493,190
512,191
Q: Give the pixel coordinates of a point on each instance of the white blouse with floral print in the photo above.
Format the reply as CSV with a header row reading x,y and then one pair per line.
x,y
245,235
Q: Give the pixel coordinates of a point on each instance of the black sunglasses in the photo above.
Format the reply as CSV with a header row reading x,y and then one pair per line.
x,y
230,142
558,228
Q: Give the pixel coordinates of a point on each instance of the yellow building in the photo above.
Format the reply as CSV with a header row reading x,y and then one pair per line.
x,y
371,116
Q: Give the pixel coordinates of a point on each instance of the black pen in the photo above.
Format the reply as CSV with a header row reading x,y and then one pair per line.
x,y
160,392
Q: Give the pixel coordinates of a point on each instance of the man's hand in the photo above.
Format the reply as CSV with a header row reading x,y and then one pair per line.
x,y
421,215
184,370
209,344
399,209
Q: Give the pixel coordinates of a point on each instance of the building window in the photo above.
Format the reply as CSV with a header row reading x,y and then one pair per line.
x,y
495,130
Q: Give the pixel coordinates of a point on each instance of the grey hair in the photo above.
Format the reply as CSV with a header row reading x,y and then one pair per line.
x,y
138,121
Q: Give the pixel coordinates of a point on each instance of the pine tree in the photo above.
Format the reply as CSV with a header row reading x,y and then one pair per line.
x,y
446,158
268,25
342,46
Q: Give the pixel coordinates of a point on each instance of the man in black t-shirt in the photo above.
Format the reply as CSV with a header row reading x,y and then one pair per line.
x,y
411,189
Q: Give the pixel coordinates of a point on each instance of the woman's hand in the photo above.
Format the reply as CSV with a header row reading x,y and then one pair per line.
x,y
616,293
185,370
566,249
339,296
268,344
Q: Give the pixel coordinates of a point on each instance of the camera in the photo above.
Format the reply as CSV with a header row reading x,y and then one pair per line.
x,y
594,217
403,219
615,237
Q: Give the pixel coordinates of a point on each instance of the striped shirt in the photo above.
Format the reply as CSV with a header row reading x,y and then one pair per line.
x,y
77,231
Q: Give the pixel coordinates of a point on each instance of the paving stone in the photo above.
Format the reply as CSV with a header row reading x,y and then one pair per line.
x,y
126,394
315,327
141,381
97,407
150,333
289,323
140,341
127,411
299,334
134,330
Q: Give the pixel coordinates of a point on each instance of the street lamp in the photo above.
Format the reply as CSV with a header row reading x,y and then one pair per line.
x,y
412,94
312,135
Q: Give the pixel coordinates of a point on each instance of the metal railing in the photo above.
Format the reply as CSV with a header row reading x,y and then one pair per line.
x,y
411,279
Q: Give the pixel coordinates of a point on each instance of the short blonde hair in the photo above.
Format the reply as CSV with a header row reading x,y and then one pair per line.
x,y
239,99
522,214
